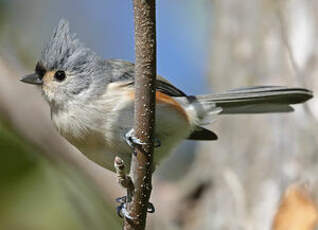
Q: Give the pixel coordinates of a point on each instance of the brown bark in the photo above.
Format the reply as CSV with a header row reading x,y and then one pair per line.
x,y
145,70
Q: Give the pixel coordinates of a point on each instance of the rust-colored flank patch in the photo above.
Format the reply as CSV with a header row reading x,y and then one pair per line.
x,y
162,98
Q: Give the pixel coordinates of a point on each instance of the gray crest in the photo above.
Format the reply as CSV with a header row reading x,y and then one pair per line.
x,y
64,51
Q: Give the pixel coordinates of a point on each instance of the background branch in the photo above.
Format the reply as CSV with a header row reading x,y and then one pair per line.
x,y
145,72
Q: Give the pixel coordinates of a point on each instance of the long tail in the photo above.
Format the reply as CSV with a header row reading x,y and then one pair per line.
x,y
261,99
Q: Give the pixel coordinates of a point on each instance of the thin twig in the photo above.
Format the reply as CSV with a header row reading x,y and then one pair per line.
x,y
145,78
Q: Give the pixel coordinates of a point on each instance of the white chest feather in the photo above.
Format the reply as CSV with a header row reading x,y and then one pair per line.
x,y
97,128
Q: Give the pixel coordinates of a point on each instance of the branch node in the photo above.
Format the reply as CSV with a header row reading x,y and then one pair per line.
x,y
122,177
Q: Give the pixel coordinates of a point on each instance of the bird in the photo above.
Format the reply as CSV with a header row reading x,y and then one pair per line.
x,y
92,102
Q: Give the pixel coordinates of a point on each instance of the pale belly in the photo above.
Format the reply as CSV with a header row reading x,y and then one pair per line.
x,y
103,151
103,147
101,137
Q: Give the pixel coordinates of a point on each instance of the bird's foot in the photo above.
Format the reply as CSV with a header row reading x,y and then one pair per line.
x,y
151,208
122,208
133,141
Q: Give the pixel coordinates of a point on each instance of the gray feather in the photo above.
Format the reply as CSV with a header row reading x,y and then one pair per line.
x,y
120,70
65,51
261,99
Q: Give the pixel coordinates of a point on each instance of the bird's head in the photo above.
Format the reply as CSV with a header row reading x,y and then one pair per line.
x,y
65,69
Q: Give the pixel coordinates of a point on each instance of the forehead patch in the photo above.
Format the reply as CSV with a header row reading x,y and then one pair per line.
x,y
49,76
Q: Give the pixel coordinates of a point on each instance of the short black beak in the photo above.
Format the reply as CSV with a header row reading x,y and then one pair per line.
x,y
32,79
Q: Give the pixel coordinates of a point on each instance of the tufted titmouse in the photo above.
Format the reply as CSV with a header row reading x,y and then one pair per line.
x,y
92,101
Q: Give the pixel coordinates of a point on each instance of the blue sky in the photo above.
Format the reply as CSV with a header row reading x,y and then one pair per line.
x,y
183,31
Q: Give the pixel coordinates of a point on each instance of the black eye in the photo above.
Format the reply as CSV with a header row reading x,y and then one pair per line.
x,y
59,75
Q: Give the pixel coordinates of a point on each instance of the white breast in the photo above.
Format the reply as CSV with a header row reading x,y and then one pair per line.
x,y
97,129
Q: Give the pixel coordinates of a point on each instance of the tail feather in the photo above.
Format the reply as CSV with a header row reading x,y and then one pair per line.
x,y
261,99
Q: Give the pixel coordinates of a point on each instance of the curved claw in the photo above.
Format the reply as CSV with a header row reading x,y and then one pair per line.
x,y
121,200
121,210
132,140
151,208
125,213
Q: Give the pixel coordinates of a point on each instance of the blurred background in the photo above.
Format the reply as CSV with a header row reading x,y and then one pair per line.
x,y
238,182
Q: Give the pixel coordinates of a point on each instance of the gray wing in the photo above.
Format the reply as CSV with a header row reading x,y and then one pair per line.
x,y
125,71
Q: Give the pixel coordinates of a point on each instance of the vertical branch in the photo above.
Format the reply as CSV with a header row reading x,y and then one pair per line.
x,y
145,77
